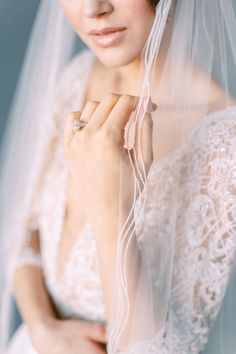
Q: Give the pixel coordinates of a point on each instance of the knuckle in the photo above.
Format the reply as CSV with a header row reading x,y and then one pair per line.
x,y
128,99
91,103
105,136
112,96
72,115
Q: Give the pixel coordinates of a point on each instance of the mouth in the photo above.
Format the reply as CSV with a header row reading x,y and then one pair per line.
x,y
109,36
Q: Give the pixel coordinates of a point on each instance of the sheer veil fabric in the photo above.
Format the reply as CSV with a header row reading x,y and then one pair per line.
x,y
175,283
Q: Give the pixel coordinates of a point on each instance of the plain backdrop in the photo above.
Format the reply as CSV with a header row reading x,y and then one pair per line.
x,y
16,19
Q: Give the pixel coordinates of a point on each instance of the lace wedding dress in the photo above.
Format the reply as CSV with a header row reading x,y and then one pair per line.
x,y
202,262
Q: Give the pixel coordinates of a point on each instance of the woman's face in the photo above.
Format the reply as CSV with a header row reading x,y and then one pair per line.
x,y
115,30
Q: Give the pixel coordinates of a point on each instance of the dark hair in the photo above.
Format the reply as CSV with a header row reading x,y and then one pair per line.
x,y
154,2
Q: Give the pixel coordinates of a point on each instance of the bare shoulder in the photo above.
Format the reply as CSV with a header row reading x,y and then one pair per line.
x,y
217,96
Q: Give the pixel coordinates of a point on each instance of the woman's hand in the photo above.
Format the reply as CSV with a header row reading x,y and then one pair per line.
x,y
97,158
69,337
102,175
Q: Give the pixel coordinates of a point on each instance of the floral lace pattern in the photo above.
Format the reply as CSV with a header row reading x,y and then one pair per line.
x,y
205,228
77,292
204,231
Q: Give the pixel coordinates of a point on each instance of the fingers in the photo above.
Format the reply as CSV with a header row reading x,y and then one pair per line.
x,y
121,112
84,116
102,111
138,136
68,134
143,142
88,110
112,113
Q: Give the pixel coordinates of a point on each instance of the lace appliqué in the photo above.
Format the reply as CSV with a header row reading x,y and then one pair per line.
x,y
204,236
202,233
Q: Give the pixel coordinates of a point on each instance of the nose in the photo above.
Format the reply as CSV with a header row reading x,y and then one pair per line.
x,y
95,8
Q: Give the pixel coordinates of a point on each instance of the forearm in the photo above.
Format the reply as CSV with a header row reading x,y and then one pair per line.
x,y
32,297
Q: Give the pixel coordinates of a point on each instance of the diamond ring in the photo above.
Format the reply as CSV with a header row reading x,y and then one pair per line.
x,y
77,124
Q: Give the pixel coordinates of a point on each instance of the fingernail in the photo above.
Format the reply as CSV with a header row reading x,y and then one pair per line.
x,y
129,135
154,107
150,106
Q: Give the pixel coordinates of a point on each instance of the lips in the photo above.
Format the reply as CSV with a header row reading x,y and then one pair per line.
x,y
109,36
107,30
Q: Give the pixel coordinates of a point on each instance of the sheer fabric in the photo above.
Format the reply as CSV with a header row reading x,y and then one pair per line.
x,y
202,263
175,258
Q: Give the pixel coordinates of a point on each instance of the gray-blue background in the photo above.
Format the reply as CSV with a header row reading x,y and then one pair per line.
x,y
16,18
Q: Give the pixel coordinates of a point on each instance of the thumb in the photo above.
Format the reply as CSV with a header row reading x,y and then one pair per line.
x,y
146,141
143,150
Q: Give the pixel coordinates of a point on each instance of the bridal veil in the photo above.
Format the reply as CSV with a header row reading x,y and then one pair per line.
x,y
179,284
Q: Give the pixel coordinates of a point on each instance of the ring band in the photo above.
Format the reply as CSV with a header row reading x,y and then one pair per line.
x,y
77,124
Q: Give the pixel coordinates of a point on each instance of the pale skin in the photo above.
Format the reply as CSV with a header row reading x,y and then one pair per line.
x,y
103,139
98,147
46,330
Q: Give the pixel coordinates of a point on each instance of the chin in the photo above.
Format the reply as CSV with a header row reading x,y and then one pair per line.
x,y
114,57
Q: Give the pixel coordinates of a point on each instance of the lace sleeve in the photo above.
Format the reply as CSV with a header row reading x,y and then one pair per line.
x,y
207,240
204,233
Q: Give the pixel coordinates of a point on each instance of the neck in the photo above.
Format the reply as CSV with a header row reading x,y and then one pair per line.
x,y
125,79
122,80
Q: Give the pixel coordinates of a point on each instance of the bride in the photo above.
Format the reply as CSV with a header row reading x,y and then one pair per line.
x,y
130,243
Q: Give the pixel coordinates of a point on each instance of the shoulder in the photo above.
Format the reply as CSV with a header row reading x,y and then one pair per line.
x,y
211,153
215,136
206,86
218,126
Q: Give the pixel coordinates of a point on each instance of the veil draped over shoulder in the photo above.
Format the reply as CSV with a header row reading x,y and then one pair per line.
x,y
174,287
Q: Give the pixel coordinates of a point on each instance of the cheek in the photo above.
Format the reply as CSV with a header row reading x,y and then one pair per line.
x,y
140,15
73,13
139,7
